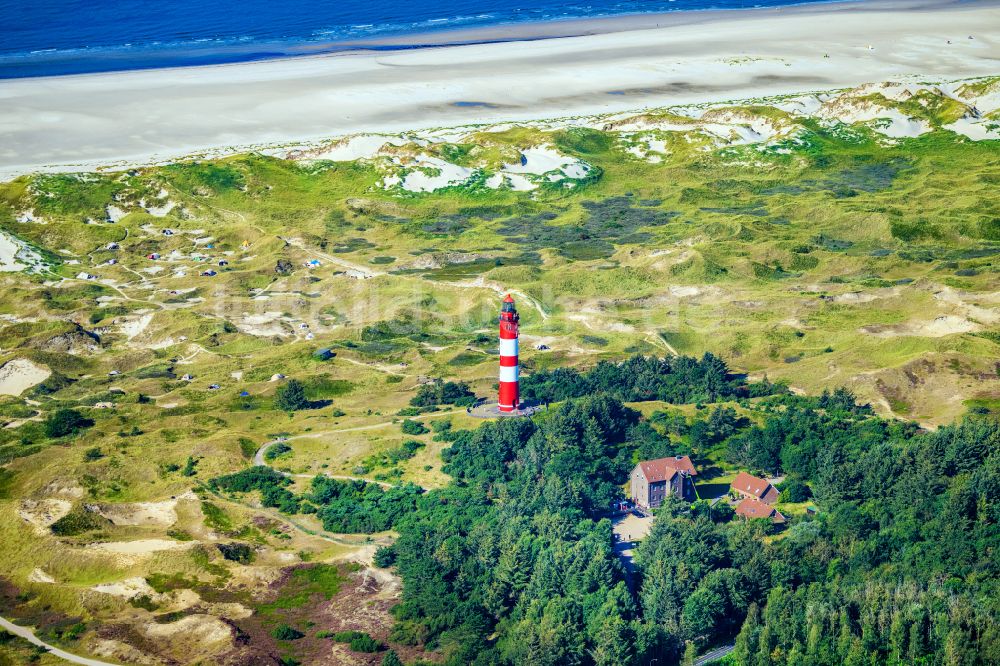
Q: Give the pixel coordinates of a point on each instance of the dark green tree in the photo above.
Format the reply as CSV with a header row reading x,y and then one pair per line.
x,y
63,422
291,397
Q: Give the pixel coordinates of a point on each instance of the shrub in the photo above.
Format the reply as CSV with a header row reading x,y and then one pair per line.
x,y
64,422
240,553
247,447
441,392
270,483
276,451
93,454
190,467
385,556
358,641
284,632
391,659
291,397
411,427
215,517
78,521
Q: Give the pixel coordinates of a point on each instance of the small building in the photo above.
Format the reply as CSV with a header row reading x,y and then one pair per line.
x,y
652,480
747,485
751,507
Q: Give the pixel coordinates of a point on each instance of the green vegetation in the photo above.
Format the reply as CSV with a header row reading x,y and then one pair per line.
x,y
215,517
342,506
275,451
269,483
304,585
391,659
440,392
411,427
284,632
237,552
826,256
356,506
873,480
63,422
79,521
291,397
678,380
384,557
357,640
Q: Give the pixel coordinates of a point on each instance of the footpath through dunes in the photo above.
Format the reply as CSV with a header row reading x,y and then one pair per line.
x,y
260,460
29,635
365,272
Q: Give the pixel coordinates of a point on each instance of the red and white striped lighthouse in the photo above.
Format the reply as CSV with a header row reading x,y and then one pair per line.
x,y
509,399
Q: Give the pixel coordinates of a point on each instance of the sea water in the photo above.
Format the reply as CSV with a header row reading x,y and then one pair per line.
x,y
53,37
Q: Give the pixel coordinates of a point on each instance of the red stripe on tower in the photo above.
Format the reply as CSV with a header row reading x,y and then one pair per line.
x,y
509,398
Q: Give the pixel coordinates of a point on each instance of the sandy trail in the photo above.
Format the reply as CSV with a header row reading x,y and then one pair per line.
x,y
139,546
29,635
258,458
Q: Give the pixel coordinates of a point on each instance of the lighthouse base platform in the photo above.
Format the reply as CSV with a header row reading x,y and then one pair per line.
x,y
490,410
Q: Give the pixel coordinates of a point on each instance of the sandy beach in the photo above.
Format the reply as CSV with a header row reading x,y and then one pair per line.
x,y
513,73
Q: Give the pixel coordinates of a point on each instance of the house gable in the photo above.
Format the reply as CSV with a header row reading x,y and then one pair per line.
x,y
748,485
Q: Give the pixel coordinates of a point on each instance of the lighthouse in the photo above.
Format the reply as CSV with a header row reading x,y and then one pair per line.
x,y
509,398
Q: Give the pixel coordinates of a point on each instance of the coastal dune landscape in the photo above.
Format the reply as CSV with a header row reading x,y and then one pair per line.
x,y
138,117
338,334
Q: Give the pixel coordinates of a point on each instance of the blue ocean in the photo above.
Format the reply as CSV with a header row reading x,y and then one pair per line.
x,y
53,37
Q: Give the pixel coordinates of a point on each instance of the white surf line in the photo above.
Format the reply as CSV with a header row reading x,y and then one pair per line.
x,y
29,635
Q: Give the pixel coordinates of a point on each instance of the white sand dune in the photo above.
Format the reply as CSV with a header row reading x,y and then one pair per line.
x,y
15,255
132,328
938,327
425,173
128,588
19,375
162,514
38,575
42,513
140,546
79,122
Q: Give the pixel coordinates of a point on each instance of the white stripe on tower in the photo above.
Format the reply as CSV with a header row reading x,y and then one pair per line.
x,y
508,347
508,373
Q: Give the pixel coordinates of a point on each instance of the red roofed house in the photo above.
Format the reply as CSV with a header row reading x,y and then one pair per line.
x,y
751,507
750,486
651,480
